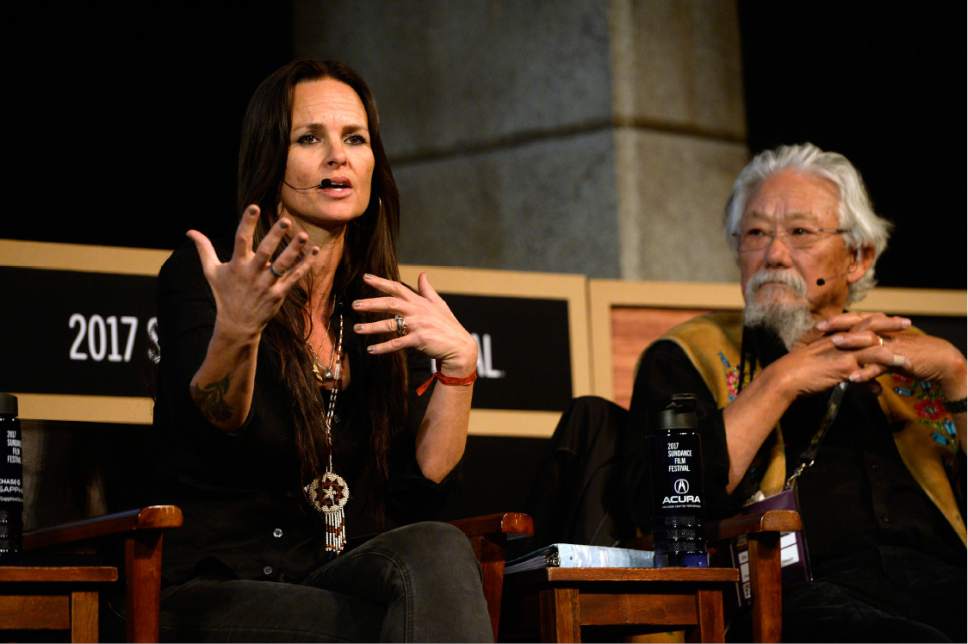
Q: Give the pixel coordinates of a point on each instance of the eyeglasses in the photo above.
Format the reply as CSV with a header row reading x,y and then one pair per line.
x,y
798,237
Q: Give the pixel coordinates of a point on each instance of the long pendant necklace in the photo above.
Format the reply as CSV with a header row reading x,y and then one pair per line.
x,y
329,493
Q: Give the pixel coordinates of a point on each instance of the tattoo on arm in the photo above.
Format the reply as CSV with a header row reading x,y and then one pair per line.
x,y
211,399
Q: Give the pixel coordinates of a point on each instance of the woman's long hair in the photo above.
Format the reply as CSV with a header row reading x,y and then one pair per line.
x,y
370,247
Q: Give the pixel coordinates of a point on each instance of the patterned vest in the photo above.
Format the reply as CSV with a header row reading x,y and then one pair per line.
x,y
925,442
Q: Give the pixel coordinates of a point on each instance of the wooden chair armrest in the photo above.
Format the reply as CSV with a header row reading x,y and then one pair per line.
x,y
154,517
762,530
506,524
754,523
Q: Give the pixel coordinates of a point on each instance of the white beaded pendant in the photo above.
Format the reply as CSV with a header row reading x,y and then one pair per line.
x,y
329,494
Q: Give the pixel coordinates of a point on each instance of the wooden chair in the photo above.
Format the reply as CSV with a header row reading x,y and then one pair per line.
x,y
51,597
762,531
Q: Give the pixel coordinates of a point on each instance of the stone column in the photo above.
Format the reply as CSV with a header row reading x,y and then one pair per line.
x,y
679,134
574,136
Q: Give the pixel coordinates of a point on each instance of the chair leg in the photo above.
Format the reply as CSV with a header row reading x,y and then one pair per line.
x,y
493,572
84,616
142,559
491,554
764,554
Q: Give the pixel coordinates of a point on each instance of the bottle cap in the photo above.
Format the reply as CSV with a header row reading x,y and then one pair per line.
x,y
8,404
679,413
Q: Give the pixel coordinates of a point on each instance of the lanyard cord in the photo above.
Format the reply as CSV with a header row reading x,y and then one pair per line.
x,y
747,365
809,455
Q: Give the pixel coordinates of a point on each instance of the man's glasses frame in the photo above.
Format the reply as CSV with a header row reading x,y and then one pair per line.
x,y
799,237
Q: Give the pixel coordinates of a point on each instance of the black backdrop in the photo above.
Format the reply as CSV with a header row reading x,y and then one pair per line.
x,y
884,84
122,118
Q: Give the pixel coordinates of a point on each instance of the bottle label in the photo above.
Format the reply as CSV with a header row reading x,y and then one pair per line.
x,y
677,472
11,469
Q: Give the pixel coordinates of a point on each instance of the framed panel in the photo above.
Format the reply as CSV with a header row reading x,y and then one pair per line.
x,y
82,320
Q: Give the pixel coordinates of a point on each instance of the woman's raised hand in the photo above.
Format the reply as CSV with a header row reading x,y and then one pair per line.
x,y
419,320
248,289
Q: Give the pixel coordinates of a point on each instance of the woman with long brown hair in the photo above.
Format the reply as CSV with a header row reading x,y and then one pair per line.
x,y
287,414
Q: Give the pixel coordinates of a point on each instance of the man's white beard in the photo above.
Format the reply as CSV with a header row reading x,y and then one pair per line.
x,y
789,320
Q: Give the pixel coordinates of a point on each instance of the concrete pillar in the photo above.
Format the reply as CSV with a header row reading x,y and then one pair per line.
x,y
679,134
570,136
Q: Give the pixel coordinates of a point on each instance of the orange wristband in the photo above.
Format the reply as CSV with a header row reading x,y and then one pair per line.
x,y
447,380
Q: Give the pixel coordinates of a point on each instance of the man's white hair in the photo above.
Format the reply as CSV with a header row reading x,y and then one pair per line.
x,y
856,216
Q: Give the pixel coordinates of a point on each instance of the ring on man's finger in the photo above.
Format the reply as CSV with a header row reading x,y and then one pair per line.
x,y
401,325
881,340
278,274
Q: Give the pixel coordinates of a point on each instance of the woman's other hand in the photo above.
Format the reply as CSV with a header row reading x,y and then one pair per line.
x,y
429,324
249,289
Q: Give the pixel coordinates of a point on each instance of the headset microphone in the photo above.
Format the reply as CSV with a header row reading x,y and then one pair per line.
x,y
324,183
823,280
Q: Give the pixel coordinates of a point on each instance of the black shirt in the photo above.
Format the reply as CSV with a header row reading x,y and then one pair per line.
x,y
245,514
858,500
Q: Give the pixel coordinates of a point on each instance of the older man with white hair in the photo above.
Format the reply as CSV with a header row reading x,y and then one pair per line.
x,y
883,523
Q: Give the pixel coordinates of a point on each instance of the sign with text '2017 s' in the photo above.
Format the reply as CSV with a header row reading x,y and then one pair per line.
x,y
68,332
91,333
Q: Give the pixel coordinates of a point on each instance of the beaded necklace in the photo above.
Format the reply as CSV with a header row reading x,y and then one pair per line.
x,y
329,493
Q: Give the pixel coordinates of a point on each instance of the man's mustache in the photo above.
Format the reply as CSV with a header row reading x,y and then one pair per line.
x,y
768,276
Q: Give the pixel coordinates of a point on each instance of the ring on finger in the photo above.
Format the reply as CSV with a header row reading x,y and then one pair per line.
x,y
277,274
881,340
401,325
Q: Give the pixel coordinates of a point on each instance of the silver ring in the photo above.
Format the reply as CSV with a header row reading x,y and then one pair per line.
x,y
401,325
272,269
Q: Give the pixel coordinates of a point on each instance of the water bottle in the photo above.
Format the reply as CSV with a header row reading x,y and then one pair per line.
x,y
11,480
677,486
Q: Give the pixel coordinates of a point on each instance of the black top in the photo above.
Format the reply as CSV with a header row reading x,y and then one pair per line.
x,y
858,500
245,514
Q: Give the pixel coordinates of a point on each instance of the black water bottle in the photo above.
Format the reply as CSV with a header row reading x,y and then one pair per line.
x,y
11,480
677,487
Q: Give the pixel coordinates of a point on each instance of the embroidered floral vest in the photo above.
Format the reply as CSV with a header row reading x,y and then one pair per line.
x,y
926,441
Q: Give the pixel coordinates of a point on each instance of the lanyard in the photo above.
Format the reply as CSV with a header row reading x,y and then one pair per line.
x,y
808,456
